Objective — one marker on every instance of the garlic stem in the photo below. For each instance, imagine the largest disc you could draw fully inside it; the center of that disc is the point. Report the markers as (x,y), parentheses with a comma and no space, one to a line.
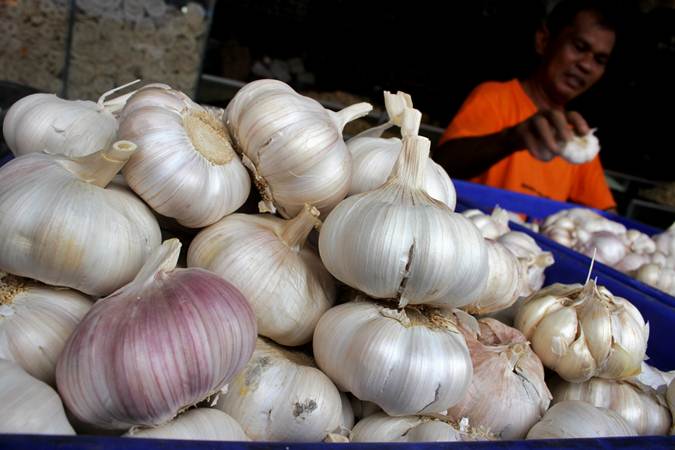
(411,163)
(162,260)
(101,167)
(350,113)
(117,103)
(295,233)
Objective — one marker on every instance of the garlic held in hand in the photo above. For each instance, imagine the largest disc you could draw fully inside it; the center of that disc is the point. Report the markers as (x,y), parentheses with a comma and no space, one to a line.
(202,424)
(165,341)
(281,396)
(267,260)
(581,149)
(59,225)
(406,361)
(584,331)
(293,146)
(185,166)
(396,242)
(35,322)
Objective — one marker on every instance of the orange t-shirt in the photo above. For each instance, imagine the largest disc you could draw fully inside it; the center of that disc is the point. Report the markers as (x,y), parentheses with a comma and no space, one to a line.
(494,106)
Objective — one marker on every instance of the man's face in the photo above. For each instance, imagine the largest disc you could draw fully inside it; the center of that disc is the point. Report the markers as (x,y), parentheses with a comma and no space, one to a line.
(576,58)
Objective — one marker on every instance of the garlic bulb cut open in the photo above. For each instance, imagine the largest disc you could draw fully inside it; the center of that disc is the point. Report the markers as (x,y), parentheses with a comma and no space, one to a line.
(508,393)
(645,412)
(281,396)
(373,157)
(167,340)
(531,257)
(491,226)
(581,149)
(203,424)
(406,361)
(267,260)
(185,166)
(398,243)
(584,331)
(29,406)
(59,225)
(576,419)
(293,146)
(35,322)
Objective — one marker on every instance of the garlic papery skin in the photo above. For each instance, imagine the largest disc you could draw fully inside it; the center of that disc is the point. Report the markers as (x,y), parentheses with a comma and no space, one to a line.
(584,331)
(508,394)
(396,242)
(35,322)
(531,257)
(645,412)
(60,226)
(490,226)
(670,398)
(185,166)
(292,145)
(576,419)
(406,361)
(29,406)
(581,149)
(267,260)
(203,424)
(281,396)
(165,341)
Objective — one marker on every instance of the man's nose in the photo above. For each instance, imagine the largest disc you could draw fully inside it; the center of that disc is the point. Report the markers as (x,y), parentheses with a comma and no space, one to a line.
(585,63)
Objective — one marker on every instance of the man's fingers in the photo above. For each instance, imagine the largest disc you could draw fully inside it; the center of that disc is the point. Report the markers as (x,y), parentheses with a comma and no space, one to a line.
(578,122)
(542,129)
(562,128)
(537,150)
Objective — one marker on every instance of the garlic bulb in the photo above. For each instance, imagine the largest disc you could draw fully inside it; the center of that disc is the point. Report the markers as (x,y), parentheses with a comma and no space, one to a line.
(584,331)
(531,257)
(670,397)
(203,424)
(35,322)
(347,422)
(654,275)
(646,413)
(632,262)
(267,260)
(362,409)
(176,335)
(491,226)
(581,149)
(408,361)
(373,157)
(29,406)
(576,419)
(293,146)
(610,248)
(508,393)
(396,242)
(63,228)
(281,396)
(185,166)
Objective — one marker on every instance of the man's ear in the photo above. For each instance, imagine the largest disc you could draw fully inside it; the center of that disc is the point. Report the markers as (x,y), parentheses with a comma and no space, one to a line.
(541,39)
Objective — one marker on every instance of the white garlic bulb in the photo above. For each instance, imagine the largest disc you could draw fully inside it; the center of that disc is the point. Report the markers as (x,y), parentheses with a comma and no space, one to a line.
(396,242)
(380,427)
(576,419)
(581,149)
(408,361)
(29,406)
(607,247)
(645,412)
(670,397)
(361,408)
(62,227)
(203,424)
(281,396)
(373,157)
(35,322)
(584,331)
(293,146)
(531,257)
(491,226)
(267,260)
(185,166)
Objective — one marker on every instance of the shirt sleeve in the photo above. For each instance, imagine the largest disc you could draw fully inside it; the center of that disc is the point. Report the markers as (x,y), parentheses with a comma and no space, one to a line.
(478,116)
(590,186)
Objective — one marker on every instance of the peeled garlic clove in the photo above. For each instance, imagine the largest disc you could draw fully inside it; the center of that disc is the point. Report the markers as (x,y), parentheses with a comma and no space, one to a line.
(409,361)
(281,396)
(64,228)
(177,335)
(293,146)
(267,260)
(185,166)
(35,322)
(29,406)
(202,424)
(581,149)
(576,419)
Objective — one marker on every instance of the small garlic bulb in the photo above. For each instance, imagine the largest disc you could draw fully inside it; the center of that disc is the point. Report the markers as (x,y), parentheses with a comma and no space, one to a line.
(670,397)
(35,322)
(281,396)
(203,424)
(608,248)
(267,260)
(185,166)
(293,146)
(531,257)
(29,406)
(396,242)
(408,361)
(576,419)
(645,412)
(491,226)
(61,226)
(581,149)
(584,331)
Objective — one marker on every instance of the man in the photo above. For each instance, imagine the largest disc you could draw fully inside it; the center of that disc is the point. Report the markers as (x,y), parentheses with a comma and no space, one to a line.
(509,135)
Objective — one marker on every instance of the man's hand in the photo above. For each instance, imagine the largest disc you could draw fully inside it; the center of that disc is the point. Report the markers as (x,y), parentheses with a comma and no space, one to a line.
(545,133)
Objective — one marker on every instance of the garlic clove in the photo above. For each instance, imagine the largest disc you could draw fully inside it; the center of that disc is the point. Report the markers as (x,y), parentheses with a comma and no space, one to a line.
(203,424)
(531,313)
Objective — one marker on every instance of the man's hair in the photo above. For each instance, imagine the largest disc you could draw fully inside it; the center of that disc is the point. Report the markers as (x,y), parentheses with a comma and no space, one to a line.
(565,11)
